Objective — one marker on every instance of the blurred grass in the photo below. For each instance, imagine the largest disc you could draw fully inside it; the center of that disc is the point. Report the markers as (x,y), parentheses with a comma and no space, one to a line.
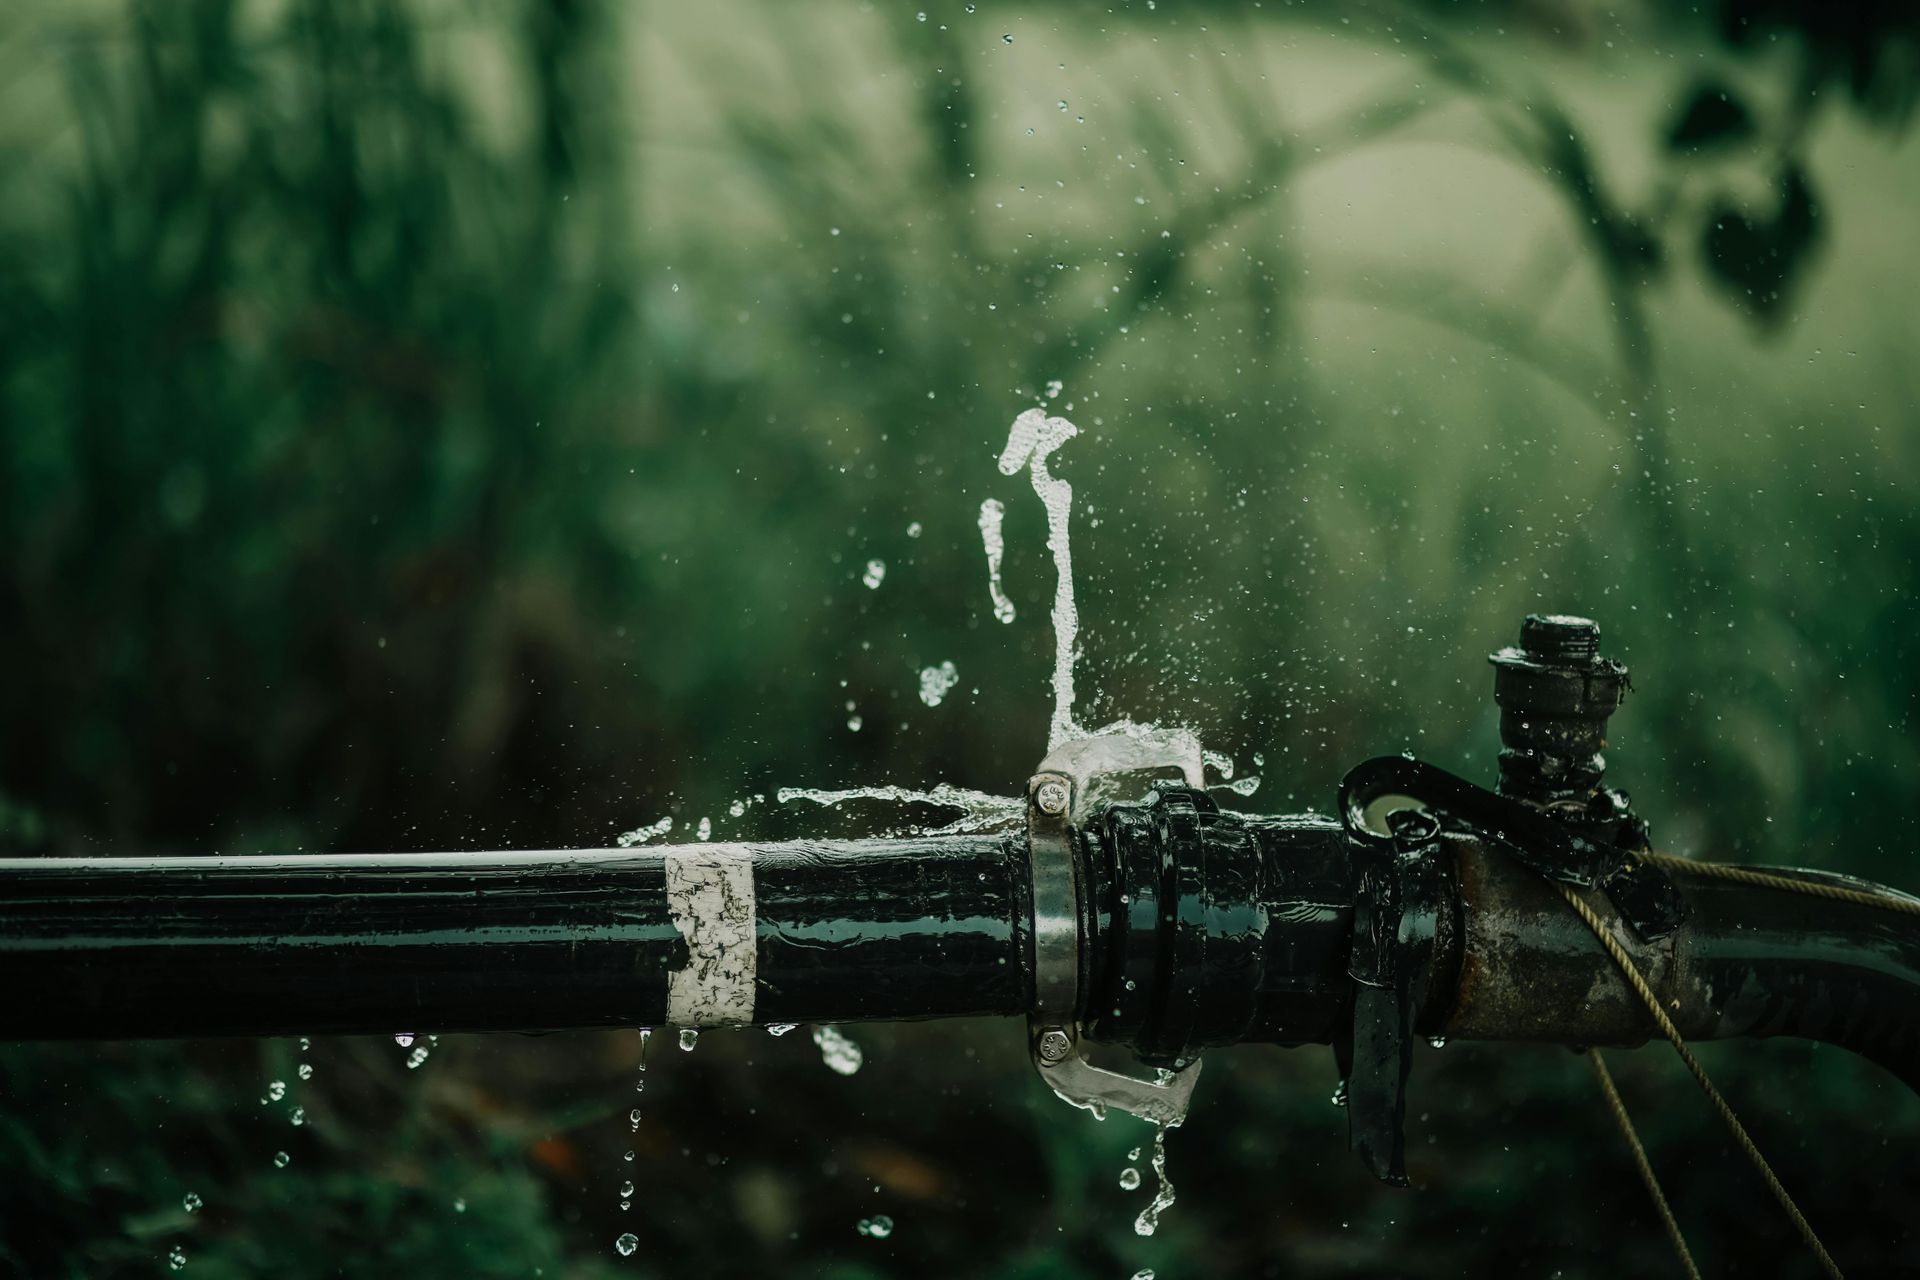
(464,424)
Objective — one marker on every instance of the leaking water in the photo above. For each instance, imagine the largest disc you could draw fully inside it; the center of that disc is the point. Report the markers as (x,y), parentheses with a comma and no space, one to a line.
(1030,442)
(978,810)
(1149,1220)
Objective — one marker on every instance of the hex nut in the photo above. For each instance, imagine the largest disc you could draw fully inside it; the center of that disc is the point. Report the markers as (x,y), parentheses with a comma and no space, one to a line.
(1051,796)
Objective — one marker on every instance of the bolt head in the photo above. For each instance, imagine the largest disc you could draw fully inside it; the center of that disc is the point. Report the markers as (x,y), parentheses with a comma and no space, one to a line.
(1054,1045)
(1051,796)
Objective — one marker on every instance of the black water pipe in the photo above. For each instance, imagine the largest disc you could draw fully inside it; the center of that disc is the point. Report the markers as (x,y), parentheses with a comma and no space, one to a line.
(214,946)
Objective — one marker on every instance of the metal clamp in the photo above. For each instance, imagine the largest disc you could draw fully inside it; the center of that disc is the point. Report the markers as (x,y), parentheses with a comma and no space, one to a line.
(1060,795)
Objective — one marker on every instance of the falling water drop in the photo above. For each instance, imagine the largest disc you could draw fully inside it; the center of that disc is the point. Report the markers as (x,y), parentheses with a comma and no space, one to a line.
(276,1091)
(876,574)
(403,1038)
(1339,1093)
(176,1258)
(281,1159)
(878,1227)
(992,515)
(306,1071)
(299,1116)
(937,682)
(191,1202)
(627,1244)
(418,1056)
(1129,1179)
(838,1052)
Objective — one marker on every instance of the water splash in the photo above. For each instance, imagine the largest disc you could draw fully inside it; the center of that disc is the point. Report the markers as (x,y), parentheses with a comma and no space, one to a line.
(641,835)
(937,682)
(838,1052)
(1149,1220)
(1030,442)
(979,811)
(992,514)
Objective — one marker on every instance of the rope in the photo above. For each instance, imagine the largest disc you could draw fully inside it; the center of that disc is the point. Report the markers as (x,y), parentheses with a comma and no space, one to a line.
(1814,888)
(1660,1018)
(1641,1162)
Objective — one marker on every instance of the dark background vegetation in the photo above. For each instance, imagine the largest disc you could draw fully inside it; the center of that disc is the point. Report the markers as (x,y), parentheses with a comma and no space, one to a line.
(463,423)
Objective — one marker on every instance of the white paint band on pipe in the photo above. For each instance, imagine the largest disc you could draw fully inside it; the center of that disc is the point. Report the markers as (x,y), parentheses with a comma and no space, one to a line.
(710,900)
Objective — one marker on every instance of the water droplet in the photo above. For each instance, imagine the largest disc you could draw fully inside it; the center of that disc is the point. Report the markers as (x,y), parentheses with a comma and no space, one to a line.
(628,1157)
(418,1056)
(780,1028)
(705,830)
(403,1038)
(299,1116)
(633,1120)
(627,1245)
(1007,38)
(1063,104)
(878,1227)
(176,1258)
(854,723)
(276,1090)
(1134,1154)
(626,1189)
(460,1205)
(1144,1273)
(914,530)
(281,1159)
(876,574)
(191,1202)
(838,1052)
(736,809)
(305,1043)
(1339,1093)
(1437,1042)
(306,1071)
(689,1037)
(937,682)
(1129,1179)
(920,16)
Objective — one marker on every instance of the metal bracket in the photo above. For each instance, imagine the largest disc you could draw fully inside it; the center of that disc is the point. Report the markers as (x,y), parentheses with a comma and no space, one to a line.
(1060,795)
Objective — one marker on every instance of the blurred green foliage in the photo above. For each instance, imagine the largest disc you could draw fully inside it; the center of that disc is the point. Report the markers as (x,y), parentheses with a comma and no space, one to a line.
(464,424)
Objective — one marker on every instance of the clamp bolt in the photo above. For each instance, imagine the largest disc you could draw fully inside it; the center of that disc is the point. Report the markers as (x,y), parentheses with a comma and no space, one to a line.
(1054,1045)
(1051,796)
